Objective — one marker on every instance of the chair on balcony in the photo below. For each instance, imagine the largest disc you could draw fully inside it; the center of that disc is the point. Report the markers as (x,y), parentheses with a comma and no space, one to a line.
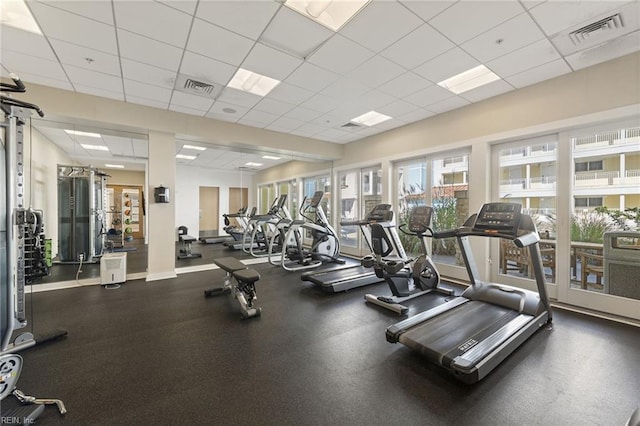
(514,258)
(590,264)
(548,254)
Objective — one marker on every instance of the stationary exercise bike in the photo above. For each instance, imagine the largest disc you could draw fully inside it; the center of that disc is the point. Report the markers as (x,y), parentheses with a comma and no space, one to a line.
(407,279)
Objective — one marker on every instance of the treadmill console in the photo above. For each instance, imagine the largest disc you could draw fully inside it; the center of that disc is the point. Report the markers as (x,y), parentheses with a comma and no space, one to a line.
(380,213)
(420,219)
(316,199)
(501,218)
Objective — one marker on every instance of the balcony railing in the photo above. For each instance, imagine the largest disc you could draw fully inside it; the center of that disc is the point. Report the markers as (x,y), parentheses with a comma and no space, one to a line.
(618,137)
(595,178)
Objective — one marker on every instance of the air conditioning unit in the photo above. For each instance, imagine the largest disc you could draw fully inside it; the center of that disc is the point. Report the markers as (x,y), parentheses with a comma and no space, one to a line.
(113,269)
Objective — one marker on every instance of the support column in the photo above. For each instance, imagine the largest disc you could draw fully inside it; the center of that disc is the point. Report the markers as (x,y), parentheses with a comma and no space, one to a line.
(161,216)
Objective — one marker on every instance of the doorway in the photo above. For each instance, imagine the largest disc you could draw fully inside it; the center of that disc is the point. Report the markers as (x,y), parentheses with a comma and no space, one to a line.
(209,202)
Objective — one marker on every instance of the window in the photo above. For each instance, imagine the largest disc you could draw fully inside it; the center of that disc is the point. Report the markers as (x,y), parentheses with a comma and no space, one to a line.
(588,202)
(588,166)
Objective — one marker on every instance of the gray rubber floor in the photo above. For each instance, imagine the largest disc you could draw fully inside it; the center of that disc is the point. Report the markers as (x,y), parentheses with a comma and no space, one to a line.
(160,353)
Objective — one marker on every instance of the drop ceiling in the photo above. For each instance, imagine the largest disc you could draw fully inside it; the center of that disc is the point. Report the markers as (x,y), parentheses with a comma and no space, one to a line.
(388,58)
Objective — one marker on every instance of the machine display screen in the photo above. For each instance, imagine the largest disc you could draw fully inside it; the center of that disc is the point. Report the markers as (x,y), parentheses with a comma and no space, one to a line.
(501,217)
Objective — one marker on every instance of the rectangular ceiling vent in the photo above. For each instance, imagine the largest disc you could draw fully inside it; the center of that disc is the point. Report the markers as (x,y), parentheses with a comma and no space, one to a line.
(603,27)
(198,87)
(350,125)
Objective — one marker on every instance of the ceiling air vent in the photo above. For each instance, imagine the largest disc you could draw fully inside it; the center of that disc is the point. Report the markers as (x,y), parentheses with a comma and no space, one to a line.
(198,87)
(193,86)
(597,29)
(350,125)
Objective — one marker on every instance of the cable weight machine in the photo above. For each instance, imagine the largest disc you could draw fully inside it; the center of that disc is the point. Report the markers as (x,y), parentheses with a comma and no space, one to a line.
(24,255)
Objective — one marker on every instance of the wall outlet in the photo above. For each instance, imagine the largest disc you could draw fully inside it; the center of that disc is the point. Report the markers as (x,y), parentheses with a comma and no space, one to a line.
(81,257)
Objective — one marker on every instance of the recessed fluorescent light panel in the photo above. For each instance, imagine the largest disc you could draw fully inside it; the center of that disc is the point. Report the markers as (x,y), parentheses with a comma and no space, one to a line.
(468,80)
(333,14)
(186,157)
(251,164)
(270,157)
(114,166)
(195,148)
(79,133)
(16,14)
(94,147)
(252,82)
(371,118)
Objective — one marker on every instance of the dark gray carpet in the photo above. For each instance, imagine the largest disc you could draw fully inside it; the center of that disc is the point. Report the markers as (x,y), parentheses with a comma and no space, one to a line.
(160,353)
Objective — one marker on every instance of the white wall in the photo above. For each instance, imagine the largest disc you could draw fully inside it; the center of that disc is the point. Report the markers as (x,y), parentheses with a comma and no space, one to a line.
(187,193)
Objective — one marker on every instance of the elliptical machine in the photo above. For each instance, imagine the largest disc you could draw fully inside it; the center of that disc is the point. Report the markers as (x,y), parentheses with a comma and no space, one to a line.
(325,245)
(410,278)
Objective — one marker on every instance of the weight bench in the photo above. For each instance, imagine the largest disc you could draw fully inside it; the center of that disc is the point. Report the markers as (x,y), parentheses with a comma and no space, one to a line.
(244,289)
(186,240)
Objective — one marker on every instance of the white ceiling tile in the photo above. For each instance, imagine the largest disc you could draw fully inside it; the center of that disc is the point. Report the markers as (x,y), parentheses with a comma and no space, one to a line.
(530,56)
(345,88)
(96,91)
(428,96)
(238,97)
(540,73)
(311,77)
(149,74)
(610,50)
(505,38)
(494,88)
(332,134)
(291,94)
(16,40)
(248,18)
(466,19)
(147,102)
(531,3)
(321,103)
(448,104)
(118,145)
(268,61)
(217,43)
(391,21)
(405,85)
(376,71)
(303,114)
(57,23)
(95,79)
(398,108)
(555,16)
(192,101)
(427,9)
(224,111)
(374,99)
(286,123)
(340,55)
(417,115)
(206,69)
(147,91)
(145,50)
(308,34)
(446,65)
(309,129)
(187,6)
(261,117)
(418,47)
(273,106)
(186,110)
(45,80)
(140,148)
(83,57)
(153,20)
(20,63)
(97,10)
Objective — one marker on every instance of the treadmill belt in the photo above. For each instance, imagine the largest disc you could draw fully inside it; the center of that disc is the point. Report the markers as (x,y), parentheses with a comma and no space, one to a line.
(454,332)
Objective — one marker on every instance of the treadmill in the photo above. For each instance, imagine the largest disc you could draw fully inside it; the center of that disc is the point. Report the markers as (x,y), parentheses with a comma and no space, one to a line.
(347,277)
(471,334)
